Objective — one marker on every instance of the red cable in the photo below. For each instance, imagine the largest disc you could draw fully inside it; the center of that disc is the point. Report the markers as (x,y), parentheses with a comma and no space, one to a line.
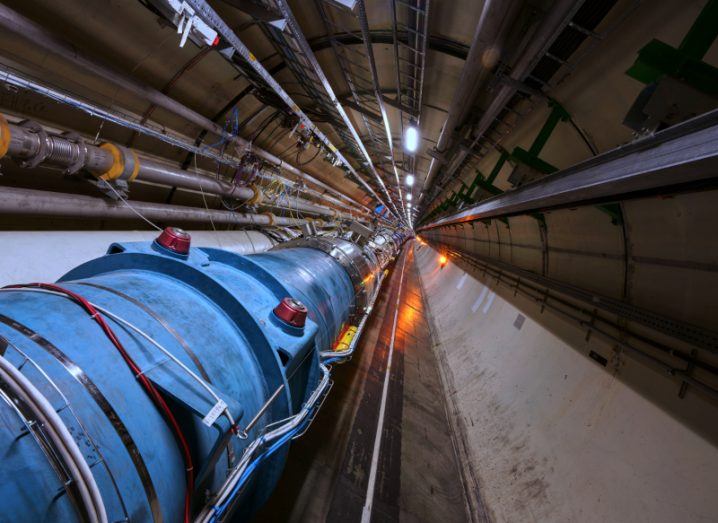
(146,383)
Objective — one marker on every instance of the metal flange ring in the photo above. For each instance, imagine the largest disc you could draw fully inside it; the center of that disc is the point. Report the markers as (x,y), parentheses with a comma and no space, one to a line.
(42,152)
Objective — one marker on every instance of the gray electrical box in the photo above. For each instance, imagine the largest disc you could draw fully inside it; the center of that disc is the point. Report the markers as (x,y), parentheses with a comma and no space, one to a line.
(667,102)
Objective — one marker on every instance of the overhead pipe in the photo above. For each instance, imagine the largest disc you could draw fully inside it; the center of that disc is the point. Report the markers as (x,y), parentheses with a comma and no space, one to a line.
(23,82)
(31,145)
(31,202)
(36,34)
(483,55)
(158,172)
(681,156)
(210,16)
(560,15)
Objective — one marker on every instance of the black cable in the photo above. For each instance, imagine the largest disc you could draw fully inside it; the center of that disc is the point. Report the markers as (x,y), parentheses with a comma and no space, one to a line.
(302,164)
(270,143)
(264,125)
(583,136)
(285,151)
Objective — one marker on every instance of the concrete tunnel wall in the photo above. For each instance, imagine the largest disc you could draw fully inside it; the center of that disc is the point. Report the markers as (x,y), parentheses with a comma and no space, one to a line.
(44,256)
(546,433)
(596,91)
(664,258)
(664,254)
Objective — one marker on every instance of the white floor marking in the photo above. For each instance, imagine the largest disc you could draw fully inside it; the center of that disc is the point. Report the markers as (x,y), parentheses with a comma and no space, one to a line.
(462,281)
(477,303)
(489,302)
(371,486)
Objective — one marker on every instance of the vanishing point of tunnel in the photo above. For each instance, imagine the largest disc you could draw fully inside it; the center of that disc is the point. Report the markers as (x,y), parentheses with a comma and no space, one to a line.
(358,261)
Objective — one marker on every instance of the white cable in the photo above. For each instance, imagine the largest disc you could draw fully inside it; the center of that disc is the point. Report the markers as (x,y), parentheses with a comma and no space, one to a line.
(141,333)
(138,213)
(236,473)
(209,214)
(63,442)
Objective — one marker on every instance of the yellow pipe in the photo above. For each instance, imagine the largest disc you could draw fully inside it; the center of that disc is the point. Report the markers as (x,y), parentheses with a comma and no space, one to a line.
(4,136)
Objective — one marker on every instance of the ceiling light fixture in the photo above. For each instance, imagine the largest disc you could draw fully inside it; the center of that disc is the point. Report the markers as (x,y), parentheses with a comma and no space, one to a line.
(409,180)
(411,139)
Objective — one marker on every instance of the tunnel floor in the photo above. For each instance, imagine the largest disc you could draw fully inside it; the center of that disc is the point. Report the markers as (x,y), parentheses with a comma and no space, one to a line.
(415,470)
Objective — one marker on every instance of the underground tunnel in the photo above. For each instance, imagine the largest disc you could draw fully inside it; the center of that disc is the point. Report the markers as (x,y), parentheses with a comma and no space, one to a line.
(358,261)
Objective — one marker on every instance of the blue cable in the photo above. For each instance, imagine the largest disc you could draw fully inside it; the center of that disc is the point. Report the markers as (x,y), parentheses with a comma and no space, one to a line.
(219,510)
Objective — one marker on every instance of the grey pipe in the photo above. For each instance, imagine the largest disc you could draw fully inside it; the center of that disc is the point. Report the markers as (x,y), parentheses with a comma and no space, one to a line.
(557,19)
(488,34)
(37,35)
(32,145)
(559,16)
(158,172)
(30,202)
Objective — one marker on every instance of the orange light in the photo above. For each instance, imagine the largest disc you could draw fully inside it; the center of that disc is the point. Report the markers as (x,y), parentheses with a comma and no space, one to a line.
(443,260)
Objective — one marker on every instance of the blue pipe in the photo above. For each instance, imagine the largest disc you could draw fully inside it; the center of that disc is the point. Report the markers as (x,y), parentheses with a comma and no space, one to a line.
(213,311)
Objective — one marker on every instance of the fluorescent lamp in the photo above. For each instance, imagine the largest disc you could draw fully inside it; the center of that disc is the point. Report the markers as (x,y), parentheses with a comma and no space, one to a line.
(411,139)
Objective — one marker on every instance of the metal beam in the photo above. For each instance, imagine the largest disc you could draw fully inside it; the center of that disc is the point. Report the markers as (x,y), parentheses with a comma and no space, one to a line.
(363,110)
(352,68)
(436,43)
(489,31)
(305,52)
(364,25)
(211,17)
(683,154)
(555,21)
(259,12)
(396,105)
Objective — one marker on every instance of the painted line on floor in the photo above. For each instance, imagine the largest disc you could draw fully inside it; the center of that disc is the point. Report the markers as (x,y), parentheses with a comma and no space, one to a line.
(462,281)
(489,302)
(371,486)
(477,303)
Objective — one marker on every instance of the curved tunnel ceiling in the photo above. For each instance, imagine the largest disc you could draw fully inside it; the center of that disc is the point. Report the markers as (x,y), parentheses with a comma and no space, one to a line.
(549,166)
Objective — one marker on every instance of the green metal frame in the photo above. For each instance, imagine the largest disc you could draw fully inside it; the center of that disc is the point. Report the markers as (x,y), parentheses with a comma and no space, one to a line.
(657,59)
(518,155)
